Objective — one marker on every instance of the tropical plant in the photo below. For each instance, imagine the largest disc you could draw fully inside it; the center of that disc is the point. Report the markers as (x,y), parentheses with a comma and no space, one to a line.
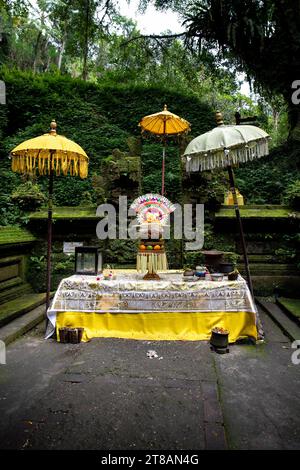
(28,196)
(292,195)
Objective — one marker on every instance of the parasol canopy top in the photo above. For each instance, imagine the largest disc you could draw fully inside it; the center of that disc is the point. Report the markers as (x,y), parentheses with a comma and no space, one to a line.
(226,145)
(164,123)
(50,151)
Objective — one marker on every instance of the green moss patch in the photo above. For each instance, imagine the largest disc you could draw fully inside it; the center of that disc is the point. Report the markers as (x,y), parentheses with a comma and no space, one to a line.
(292,305)
(11,235)
(67,212)
(262,212)
(17,307)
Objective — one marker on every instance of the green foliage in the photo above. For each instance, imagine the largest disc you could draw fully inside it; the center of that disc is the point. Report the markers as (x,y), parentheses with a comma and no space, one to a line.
(62,266)
(121,252)
(3,120)
(54,35)
(28,196)
(206,188)
(9,213)
(152,170)
(285,255)
(231,257)
(193,258)
(263,37)
(99,189)
(100,119)
(217,241)
(69,191)
(86,200)
(265,181)
(292,195)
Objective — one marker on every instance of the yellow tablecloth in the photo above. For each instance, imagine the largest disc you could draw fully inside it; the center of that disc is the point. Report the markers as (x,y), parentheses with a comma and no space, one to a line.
(189,326)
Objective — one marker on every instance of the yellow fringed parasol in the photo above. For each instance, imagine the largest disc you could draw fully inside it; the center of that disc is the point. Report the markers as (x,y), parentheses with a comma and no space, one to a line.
(50,154)
(50,151)
(164,124)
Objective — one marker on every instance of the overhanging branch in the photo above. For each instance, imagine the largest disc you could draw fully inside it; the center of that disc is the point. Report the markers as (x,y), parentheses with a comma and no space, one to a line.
(156,37)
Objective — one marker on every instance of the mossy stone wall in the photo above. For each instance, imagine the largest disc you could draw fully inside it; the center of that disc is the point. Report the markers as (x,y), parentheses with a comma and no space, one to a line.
(272,247)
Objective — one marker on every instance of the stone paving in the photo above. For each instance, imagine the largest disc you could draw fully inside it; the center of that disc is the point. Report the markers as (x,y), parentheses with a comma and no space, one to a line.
(107,394)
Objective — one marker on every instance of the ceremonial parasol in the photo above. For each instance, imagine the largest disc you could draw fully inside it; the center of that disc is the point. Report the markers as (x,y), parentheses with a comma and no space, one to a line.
(164,124)
(48,154)
(223,147)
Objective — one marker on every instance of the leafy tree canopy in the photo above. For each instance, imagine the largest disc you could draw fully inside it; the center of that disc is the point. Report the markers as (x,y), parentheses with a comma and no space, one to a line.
(261,36)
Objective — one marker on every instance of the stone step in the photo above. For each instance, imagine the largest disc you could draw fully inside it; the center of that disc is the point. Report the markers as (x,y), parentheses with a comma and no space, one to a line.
(22,325)
(18,307)
(289,327)
(291,307)
(15,281)
(15,291)
(270,269)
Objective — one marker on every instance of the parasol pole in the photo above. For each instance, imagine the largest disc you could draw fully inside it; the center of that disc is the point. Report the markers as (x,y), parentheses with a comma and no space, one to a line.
(163,160)
(163,170)
(219,121)
(49,237)
(242,236)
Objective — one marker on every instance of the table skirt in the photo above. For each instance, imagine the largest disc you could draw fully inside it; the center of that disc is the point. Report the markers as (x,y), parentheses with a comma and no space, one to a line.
(158,326)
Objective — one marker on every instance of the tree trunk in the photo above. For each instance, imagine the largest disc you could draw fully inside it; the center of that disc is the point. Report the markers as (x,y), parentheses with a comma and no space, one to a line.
(48,64)
(62,49)
(275,118)
(36,51)
(86,40)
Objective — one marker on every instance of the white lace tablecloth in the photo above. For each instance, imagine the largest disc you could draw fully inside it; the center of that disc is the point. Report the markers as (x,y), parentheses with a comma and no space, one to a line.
(129,293)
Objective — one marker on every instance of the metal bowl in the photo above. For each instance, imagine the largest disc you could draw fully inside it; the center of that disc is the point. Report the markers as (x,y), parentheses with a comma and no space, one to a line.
(217,276)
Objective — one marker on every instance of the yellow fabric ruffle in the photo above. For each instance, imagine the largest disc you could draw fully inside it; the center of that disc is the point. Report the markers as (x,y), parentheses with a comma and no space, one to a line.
(159,326)
(61,163)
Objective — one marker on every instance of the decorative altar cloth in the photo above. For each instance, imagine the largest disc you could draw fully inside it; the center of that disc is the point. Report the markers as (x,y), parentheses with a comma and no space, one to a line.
(170,308)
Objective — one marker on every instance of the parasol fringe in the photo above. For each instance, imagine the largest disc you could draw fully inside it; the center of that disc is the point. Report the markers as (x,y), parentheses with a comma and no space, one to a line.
(57,165)
(61,163)
(83,168)
(206,161)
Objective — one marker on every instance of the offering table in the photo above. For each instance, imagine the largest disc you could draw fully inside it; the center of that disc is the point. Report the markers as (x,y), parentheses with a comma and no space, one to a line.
(165,309)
